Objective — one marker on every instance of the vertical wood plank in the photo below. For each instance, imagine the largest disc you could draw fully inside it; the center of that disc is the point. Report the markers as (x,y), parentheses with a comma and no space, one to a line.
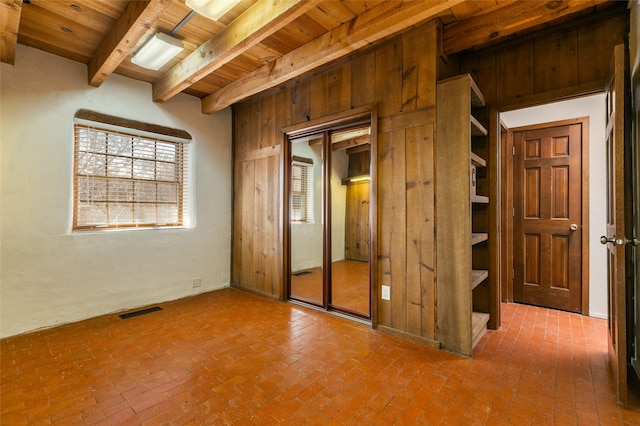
(388,78)
(284,111)
(247,278)
(595,42)
(420,56)
(392,200)
(268,130)
(420,239)
(483,69)
(318,99)
(300,100)
(261,189)
(515,72)
(410,70)
(272,234)
(385,224)
(420,232)
(339,89)
(555,60)
(357,221)
(254,138)
(363,71)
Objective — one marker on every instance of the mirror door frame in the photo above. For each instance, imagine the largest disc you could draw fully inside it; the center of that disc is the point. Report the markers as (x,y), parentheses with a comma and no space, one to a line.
(315,126)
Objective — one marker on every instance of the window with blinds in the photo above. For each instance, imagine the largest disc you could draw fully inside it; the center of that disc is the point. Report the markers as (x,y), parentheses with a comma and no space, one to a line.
(128,179)
(302,192)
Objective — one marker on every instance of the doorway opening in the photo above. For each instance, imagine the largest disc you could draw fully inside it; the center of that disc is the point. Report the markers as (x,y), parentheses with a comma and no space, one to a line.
(329,226)
(536,189)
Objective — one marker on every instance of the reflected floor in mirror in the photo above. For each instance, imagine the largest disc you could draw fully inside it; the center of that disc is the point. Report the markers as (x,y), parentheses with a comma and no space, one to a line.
(350,287)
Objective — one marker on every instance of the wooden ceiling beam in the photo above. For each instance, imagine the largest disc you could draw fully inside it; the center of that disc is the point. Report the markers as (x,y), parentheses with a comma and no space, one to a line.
(358,149)
(132,25)
(507,19)
(375,24)
(351,143)
(259,22)
(10,11)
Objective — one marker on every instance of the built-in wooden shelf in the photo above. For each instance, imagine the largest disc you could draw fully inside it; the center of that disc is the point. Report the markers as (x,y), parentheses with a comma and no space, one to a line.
(477,98)
(477,129)
(479,321)
(477,160)
(479,199)
(478,237)
(477,276)
(465,165)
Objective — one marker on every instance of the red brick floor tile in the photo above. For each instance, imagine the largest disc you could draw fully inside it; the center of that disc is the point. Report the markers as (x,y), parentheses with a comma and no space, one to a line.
(228,357)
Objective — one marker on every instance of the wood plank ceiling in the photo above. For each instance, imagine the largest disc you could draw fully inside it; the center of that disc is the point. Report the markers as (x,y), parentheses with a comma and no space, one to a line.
(258,44)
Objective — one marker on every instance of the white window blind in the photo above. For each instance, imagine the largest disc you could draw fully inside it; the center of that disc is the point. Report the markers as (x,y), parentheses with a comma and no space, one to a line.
(128,180)
(302,192)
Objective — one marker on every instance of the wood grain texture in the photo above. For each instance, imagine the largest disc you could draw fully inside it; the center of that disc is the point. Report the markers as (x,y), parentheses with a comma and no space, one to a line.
(420,248)
(556,63)
(507,18)
(617,140)
(453,215)
(548,198)
(132,25)
(357,222)
(373,25)
(259,22)
(10,11)
(404,174)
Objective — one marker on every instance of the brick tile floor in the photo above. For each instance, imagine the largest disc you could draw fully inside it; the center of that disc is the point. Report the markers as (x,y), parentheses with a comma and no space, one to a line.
(228,357)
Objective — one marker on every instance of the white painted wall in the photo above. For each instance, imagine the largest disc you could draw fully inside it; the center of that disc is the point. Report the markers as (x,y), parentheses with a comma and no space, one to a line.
(306,238)
(594,108)
(51,276)
(339,171)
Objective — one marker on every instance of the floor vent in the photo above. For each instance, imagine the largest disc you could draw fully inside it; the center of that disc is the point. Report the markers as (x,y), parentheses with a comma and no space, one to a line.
(297,274)
(140,312)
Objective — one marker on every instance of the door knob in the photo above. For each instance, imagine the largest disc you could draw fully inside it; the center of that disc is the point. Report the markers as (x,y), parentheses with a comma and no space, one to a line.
(573,227)
(618,241)
(632,241)
(605,240)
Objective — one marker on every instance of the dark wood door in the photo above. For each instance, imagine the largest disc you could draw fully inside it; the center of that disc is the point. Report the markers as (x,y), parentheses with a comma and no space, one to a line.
(548,215)
(615,238)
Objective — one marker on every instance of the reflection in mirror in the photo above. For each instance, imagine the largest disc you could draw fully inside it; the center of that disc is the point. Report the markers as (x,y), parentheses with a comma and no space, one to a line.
(306,220)
(350,281)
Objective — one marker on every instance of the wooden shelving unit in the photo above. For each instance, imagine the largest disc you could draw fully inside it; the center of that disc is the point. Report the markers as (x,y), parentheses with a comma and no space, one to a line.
(462,215)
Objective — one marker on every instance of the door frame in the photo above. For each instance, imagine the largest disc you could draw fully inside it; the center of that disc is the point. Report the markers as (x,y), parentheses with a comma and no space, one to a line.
(507,206)
(318,125)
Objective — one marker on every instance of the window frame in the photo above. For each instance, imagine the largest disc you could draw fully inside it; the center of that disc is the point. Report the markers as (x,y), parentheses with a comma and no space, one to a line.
(139,135)
(307,190)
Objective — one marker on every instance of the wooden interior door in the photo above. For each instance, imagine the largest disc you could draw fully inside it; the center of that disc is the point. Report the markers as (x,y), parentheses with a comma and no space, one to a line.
(357,221)
(615,238)
(548,215)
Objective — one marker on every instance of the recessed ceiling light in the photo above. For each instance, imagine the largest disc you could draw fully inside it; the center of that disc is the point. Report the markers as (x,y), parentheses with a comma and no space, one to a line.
(157,51)
(212,9)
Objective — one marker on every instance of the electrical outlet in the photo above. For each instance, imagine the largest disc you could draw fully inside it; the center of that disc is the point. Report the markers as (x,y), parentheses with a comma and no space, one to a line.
(197,282)
(386,292)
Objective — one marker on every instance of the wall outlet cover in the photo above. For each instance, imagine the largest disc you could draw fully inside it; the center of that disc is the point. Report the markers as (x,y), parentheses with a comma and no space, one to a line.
(386,292)
(197,282)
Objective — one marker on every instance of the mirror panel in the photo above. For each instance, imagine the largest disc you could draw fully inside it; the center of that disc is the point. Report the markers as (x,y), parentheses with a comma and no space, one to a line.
(306,221)
(350,281)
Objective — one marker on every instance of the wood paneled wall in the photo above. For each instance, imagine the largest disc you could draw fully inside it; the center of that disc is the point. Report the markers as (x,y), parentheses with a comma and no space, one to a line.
(570,60)
(399,77)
